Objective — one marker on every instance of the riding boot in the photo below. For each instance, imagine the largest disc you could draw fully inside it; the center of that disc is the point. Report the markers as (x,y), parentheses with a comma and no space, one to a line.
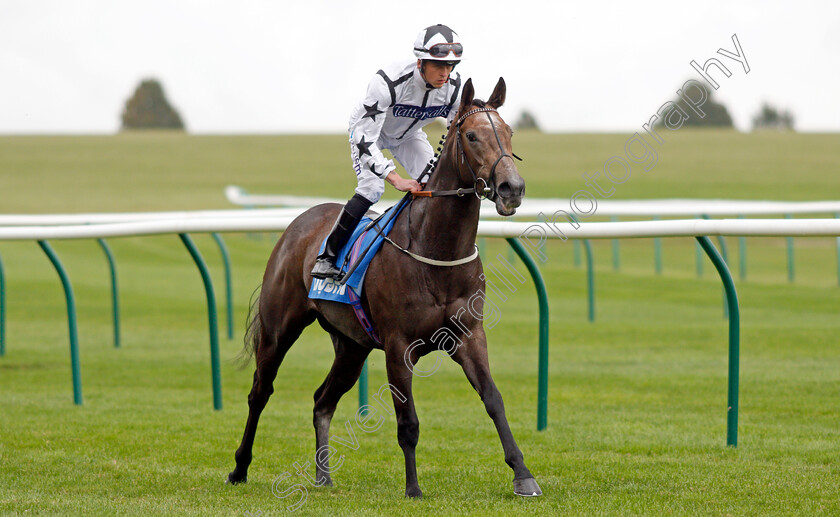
(351,214)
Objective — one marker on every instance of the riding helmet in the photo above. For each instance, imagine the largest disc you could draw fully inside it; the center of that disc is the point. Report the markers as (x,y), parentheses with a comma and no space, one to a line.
(439,43)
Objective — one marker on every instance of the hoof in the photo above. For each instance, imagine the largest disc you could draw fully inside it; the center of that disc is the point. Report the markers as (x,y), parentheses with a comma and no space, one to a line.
(527,487)
(414,493)
(233,479)
(324,481)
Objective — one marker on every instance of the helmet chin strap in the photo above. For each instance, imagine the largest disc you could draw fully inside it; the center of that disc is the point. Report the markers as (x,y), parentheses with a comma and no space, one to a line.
(423,74)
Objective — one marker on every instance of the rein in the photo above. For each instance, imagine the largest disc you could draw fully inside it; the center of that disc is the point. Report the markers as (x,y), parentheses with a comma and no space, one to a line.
(443,193)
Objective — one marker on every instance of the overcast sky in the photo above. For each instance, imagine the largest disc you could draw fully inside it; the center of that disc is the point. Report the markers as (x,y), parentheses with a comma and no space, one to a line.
(281,67)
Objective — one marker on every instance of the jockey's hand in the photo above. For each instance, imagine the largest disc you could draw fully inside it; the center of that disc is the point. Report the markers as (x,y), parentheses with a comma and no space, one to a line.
(410,185)
(402,184)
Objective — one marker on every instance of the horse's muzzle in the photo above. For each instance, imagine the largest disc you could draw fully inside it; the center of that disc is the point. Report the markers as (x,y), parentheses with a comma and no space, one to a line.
(508,195)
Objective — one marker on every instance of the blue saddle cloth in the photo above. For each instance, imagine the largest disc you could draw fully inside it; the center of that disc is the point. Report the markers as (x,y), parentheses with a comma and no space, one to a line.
(362,246)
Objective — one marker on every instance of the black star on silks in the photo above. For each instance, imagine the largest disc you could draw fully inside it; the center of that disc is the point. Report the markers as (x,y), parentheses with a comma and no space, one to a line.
(373,169)
(372,111)
(363,146)
(443,30)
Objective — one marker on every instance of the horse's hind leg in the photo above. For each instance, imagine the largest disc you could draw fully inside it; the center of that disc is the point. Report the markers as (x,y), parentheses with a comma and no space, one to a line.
(473,359)
(271,349)
(345,371)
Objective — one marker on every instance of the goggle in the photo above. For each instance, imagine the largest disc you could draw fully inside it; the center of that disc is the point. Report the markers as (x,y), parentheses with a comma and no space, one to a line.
(444,49)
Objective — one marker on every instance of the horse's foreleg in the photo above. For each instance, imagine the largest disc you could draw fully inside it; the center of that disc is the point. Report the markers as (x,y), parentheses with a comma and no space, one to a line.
(473,359)
(408,427)
(345,371)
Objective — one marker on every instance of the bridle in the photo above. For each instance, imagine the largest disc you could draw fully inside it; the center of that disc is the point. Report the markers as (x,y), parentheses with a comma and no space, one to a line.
(485,192)
(481,192)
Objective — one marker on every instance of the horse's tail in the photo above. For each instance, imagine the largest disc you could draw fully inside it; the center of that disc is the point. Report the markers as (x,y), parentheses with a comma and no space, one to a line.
(254,333)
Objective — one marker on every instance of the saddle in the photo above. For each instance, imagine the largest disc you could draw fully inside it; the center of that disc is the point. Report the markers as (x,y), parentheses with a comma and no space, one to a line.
(354,259)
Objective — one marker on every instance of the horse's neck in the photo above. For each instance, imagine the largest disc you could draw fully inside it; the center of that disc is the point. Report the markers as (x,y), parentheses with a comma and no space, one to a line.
(444,228)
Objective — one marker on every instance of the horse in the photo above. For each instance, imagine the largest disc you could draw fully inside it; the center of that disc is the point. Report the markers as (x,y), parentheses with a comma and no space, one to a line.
(407,300)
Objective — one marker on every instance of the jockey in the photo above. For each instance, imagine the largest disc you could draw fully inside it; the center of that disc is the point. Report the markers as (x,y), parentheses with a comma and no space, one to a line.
(400,100)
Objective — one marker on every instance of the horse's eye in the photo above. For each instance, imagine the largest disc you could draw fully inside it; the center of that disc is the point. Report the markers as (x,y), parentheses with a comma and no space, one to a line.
(471,136)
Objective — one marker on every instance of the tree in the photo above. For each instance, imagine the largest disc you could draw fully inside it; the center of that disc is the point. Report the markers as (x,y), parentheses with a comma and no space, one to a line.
(715,113)
(768,117)
(527,121)
(149,109)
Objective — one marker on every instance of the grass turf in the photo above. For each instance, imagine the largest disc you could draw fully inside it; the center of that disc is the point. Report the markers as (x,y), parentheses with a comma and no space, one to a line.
(636,400)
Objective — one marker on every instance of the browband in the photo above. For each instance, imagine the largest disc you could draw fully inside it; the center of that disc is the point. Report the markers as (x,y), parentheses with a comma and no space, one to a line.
(472,112)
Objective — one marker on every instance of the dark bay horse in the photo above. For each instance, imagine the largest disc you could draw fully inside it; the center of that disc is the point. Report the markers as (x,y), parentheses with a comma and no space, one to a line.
(407,300)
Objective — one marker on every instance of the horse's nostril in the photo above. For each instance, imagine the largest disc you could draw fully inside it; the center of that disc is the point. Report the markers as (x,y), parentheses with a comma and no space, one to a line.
(518,188)
(504,189)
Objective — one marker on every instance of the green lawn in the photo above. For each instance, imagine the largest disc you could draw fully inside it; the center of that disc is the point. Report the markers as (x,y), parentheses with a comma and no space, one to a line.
(637,400)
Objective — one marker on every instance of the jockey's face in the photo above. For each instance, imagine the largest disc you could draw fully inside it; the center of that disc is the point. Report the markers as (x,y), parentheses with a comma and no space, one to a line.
(435,73)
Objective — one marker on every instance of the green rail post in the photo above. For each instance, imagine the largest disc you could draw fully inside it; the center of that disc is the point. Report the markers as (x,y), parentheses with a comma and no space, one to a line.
(590,280)
(725,258)
(790,265)
(542,296)
(723,250)
(615,250)
(734,340)
(699,260)
(115,301)
(722,243)
(363,389)
(511,255)
(657,252)
(213,320)
(2,310)
(837,216)
(698,255)
(71,321)
(228,282)
(742,256)
(576,252)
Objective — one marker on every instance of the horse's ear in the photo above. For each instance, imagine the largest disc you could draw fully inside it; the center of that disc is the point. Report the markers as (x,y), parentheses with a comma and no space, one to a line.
(497,98)
(467,95)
